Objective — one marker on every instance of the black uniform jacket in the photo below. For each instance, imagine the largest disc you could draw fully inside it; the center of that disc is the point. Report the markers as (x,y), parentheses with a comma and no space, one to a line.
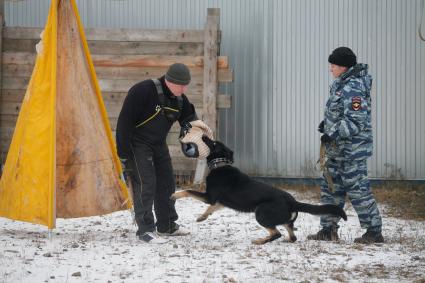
(141,103)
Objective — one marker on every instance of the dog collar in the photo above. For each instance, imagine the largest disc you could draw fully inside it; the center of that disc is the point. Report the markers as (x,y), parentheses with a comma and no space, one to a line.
(218,162)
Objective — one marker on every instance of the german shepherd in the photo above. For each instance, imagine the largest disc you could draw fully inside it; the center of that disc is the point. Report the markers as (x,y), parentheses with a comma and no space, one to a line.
(227,186)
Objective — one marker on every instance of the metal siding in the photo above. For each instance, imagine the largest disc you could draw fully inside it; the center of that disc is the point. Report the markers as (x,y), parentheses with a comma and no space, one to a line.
(278,51)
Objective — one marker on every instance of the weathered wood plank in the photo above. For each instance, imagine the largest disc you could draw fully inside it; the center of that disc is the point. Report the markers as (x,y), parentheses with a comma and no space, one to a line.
(146,48)
(1,46)
(17,95)
(107,34)
(2,12)
(15,83)
(11,104)
(6,135)
(142,73)
(182,163)
(10,108)
(111,85)
(224,101)
(108,60)
(8,121)
(14,70)
(107,85)
(117,47)
(12,95)
(24,58)
(19,45)
(153,61)
(138,73)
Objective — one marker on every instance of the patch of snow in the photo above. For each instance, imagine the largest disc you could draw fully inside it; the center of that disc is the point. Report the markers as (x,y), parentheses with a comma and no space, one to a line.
(105,249)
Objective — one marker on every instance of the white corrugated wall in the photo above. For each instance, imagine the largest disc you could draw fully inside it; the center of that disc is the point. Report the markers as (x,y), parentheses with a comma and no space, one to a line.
(278,50)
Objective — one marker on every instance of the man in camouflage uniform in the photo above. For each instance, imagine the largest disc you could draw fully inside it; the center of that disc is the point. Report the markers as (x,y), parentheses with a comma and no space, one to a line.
(347,136)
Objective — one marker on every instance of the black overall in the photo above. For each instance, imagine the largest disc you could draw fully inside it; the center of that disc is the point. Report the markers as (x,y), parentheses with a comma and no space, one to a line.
(142,128)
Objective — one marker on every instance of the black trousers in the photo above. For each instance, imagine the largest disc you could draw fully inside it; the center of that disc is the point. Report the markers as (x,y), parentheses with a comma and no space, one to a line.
(153,183)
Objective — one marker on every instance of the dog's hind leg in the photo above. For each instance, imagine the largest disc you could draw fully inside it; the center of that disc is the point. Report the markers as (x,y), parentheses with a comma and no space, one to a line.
(273,235)
(273,213)
(210,210)
(290,228)
(189,193)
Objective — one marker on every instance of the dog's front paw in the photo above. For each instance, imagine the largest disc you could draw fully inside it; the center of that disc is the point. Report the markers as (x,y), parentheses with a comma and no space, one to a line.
(174,196)
(267,239)
(259,242)
(201,218)
(180,194)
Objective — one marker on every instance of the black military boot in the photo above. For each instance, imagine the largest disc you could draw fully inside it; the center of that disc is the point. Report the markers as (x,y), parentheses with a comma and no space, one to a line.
(325,234)
(370,237)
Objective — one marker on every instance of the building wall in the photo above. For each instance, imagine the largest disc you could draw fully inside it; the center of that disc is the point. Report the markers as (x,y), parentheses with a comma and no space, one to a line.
(278,50)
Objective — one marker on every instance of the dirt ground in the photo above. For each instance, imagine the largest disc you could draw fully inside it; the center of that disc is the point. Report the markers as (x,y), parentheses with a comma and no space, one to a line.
(402,200)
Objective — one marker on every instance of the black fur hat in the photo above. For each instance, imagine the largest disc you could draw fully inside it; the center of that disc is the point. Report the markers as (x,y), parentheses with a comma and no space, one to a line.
(343,56)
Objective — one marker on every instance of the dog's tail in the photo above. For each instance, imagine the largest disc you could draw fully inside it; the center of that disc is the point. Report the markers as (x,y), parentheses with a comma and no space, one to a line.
(320,209)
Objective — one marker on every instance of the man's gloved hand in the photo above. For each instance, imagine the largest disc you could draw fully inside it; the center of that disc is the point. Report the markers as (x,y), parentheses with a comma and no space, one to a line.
(325,138)
(184,129)
(321,127)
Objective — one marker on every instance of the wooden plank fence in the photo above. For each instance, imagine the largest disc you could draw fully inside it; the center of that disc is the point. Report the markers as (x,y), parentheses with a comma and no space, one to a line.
(123,57)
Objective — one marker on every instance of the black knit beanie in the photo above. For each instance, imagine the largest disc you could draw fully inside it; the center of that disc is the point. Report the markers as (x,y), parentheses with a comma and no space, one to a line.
(343,56)
(178,73)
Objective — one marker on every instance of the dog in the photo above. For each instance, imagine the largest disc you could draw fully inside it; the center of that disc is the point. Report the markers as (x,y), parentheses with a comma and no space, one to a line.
(227,186)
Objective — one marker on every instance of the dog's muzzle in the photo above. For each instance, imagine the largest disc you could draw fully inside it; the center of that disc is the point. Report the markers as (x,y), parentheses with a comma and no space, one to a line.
(191,141)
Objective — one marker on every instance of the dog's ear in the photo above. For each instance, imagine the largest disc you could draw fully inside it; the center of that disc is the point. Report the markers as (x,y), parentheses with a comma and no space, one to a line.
(208,141)
(230,155)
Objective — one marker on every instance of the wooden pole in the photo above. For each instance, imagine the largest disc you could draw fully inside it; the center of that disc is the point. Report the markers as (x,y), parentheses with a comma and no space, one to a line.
(1,69)
(210,68)
(2,12)
(210,81)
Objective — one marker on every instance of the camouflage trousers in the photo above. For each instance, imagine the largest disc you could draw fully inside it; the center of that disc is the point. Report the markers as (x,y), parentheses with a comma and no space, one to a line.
(350,179)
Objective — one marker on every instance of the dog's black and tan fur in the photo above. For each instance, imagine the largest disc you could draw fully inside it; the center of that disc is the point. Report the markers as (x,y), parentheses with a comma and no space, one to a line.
(226,186)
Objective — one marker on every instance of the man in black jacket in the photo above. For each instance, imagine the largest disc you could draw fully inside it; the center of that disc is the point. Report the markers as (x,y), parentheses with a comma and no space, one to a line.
(149,110)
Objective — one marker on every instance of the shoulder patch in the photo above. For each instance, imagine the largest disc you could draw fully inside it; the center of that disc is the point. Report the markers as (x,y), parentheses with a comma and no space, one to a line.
(356,103)
(338,93)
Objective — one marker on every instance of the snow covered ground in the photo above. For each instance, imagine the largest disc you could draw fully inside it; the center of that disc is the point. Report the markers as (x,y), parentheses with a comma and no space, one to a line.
(105,249)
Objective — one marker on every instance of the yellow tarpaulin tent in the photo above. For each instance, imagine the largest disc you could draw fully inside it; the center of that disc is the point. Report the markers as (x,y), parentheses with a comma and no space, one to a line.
(62,160)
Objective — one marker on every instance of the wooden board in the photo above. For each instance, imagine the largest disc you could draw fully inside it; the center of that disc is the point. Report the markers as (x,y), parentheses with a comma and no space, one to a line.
(117,47)
(121,58)
(136,73)
(108,60)
(106,34)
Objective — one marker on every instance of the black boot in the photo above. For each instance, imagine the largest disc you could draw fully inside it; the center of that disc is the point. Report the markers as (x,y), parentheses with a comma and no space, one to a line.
(326,234)
(370,237)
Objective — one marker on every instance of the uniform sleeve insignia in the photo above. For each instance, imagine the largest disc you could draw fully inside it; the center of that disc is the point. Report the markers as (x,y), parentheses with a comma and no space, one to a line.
(356,103)
(338,93)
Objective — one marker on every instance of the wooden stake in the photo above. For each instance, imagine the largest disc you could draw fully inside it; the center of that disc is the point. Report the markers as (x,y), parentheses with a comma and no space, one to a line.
(210,82)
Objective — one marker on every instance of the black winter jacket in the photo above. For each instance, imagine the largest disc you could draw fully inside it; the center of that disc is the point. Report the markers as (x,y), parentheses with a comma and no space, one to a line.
(141,103)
